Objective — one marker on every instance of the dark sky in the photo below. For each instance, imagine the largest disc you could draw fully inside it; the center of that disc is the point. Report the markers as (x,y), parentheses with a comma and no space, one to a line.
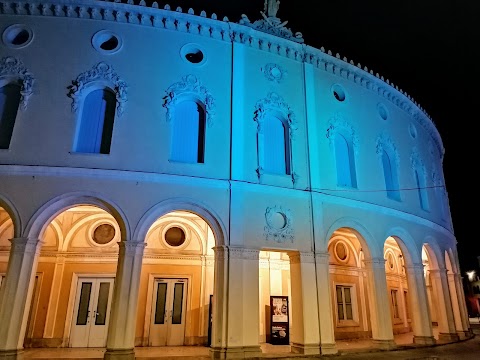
(426,47)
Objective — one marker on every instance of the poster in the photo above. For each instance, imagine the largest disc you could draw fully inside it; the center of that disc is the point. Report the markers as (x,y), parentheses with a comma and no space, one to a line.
(279,325)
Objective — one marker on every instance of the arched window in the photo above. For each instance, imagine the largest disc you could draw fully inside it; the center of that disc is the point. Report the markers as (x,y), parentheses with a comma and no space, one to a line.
(9,102)
(391,178)
(188,133)
(94,134)
(345,162)
(421,190)
(276,146)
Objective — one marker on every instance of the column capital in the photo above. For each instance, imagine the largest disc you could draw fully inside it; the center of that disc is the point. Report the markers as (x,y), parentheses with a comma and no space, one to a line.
(243,253)
(415,268)
(302,257)
(322,257)
(375,263)
(220,251)
(438,272)
(25,245)
(131,247)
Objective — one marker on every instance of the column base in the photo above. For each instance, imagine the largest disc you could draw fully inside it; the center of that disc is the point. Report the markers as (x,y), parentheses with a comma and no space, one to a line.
(11,354)
(424,340)
(463,335)
(119,354)
(384,344)
(241,352)
(328,349)
(448,337)
(305,349)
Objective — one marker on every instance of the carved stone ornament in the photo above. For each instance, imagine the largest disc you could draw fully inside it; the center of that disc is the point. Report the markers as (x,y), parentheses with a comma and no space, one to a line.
(189,87)
(104,74)
(416,162)
(384,142)
(274,102)
(12,68)
(271,24)
(339,125)
(274,72)
(278,225)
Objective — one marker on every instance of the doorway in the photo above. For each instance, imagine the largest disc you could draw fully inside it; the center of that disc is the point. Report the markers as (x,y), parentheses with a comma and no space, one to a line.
(91,312)
(167,326)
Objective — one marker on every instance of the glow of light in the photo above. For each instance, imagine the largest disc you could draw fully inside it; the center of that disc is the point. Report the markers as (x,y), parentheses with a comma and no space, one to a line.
(471,275)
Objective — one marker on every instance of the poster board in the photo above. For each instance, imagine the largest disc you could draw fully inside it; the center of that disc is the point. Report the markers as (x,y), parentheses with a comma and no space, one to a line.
(279,326)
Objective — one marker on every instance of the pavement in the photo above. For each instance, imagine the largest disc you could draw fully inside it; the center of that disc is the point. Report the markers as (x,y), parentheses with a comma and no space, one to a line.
(347,350)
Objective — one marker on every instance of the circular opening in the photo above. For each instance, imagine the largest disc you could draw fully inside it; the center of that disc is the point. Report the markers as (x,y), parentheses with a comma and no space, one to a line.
(278,220)
(175,236)
(341,251)
(338,92)
(194,57)
(106,42)
(413,131)
(103,234)
(382,111)
(17,35)
(193,54)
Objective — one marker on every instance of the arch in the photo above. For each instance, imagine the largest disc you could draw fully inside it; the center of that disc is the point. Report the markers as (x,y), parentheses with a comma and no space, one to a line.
(412,253)
(179,204)
(434,253)
(389,159)
(369,247)
(8,206)
(47,212)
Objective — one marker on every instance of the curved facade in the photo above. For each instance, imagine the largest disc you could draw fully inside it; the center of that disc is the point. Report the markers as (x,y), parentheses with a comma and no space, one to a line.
(159,169)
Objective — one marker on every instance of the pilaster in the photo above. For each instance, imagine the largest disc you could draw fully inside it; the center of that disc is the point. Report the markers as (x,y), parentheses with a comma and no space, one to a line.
(121,329)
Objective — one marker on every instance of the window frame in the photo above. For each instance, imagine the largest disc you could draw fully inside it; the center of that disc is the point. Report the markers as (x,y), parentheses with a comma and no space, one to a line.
(353,295)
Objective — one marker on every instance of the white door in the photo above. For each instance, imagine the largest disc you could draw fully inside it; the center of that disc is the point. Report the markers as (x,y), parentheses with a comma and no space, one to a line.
(168,312)
(91,312)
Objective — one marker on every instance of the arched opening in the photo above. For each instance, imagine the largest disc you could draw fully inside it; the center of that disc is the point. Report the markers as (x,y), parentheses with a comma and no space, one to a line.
(176,284)
(390,176)
(349,296)
(345,162)
(6,233)
(276,146)
(9,101)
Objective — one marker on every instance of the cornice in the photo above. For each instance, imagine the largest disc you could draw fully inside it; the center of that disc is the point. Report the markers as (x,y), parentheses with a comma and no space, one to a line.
(224,30)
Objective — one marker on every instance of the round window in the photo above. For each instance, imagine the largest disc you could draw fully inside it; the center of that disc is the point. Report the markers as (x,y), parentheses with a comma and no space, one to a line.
(103,234)
(338,92)
(412,130)
(193,54)
(17,36)
(341,251)
(106,42)
(175,236)
(382,111)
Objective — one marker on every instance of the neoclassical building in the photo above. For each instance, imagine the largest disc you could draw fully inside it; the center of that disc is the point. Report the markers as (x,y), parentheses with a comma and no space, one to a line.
(164,172)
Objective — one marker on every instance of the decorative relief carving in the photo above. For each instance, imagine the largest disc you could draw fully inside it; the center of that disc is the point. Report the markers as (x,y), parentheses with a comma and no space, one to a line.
(339,125)
(274,72)
(416,162)
(274,103)
(13,69)
(279,225)
(384,142)
(189,87)
(102,74)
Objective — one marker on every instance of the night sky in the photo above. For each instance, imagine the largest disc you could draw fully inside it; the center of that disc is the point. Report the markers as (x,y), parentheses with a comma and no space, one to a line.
(426,47)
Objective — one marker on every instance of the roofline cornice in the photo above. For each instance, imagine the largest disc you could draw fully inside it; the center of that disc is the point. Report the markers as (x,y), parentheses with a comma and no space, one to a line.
(224,30)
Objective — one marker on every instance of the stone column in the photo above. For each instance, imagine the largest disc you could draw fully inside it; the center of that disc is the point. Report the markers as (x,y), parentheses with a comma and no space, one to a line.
(123,315)
(422,323)
(305,337)
(54,296)
(459,299)
(16,295)
(236,304)
(325,309)
(446,322)
(379,300)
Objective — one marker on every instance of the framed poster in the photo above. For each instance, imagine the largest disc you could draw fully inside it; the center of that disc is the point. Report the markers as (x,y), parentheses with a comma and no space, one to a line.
(279,328)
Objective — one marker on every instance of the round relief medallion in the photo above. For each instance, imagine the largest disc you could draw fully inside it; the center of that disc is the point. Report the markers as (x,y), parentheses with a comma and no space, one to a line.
(175,236)
(103,234)
(341,251)
(277,220)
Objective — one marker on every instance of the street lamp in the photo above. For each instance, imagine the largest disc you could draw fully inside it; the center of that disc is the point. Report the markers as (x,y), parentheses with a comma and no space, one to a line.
(471,275)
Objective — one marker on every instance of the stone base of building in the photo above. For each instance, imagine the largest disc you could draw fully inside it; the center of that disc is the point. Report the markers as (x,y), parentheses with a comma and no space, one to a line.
(384,344)
(243,352)
(463,335)
(328,349)
(424,340)
(11,354)
(447,337)
(305,349)
(120,354)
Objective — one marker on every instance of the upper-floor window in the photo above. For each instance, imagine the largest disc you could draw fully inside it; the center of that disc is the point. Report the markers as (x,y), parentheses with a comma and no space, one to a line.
(345,162)
(421,189)
(188,133)
(276,146)
(391,177)
(94,132)
(344,302)
(9,102)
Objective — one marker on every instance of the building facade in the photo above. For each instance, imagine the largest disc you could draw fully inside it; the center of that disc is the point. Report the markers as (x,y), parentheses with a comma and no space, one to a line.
(164,173)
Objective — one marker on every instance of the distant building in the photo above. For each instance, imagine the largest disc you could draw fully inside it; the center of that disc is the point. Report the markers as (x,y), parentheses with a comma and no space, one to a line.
(164,173)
